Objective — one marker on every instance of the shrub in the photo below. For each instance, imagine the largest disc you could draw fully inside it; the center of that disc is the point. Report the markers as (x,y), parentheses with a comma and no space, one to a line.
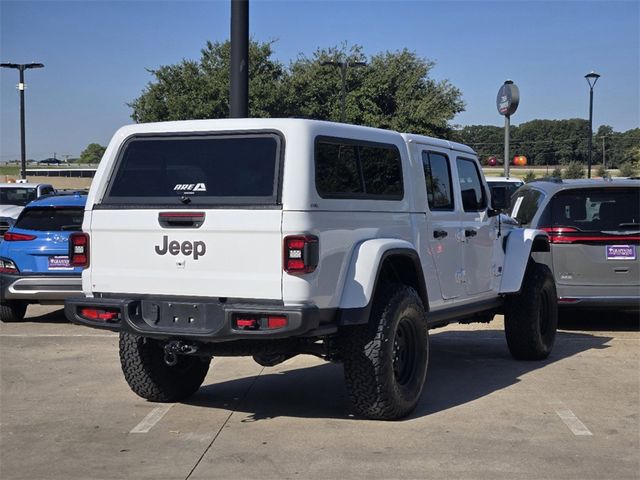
(574,170)
(557,173)
(530,176)
(601,172)
(628,169)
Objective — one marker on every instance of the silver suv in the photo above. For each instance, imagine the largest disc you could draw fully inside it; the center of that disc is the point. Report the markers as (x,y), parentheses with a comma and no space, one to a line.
(594,230)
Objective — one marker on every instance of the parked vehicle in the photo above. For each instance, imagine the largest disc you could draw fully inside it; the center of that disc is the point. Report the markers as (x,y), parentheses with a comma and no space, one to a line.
(273,238)
(34,256)
(502,188)
(594,230)
(13,198)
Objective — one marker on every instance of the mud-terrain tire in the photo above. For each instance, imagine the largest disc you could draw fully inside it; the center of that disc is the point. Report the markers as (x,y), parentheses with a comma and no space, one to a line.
(531,317)
(149,376)
(13,311)
(385,361)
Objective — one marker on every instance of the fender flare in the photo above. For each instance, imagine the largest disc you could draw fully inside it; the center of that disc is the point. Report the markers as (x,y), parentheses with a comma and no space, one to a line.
(364,270)
(520,244)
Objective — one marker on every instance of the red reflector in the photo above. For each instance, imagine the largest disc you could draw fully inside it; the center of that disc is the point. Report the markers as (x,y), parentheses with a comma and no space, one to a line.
(247,323)
(18,237)
(276,322)
(98,314)
(567,300)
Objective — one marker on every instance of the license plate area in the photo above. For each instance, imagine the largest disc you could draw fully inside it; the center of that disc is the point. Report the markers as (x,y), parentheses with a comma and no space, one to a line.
(182,316)
(59,262)
(621,252)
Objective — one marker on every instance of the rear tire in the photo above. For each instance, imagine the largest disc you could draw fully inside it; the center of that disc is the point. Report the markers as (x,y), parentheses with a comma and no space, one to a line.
(144,368)
(385,361)
(13,311)
(531,318)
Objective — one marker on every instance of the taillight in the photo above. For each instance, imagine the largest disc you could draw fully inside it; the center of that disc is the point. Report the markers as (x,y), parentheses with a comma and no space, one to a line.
(573,235)
(79,249)
(300,254)
(8,266)
(107,314)
(260,321)
(18,237)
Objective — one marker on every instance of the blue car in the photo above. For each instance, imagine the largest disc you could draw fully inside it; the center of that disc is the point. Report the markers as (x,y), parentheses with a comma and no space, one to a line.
(34,256)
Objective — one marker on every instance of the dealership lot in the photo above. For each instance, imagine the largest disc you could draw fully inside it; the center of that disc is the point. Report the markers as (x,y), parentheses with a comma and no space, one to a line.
(67,413)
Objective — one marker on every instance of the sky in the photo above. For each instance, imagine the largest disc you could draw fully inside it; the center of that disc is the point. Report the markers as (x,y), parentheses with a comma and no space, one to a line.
(96,55)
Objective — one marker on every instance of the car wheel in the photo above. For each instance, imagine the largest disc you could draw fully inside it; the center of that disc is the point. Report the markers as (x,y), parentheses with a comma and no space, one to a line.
(13,311)
(531,318)
(150,377)
(385,361)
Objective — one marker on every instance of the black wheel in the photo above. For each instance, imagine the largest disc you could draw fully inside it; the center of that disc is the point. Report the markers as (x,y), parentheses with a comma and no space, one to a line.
(150,377)
(531,318)
(385,361)
(12,311)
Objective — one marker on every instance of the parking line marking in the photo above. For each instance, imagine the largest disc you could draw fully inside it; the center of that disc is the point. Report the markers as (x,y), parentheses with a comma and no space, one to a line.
(570,420)
(151,419)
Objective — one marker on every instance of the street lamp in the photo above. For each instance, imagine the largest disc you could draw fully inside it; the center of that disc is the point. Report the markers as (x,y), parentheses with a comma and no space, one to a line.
(592,78)
(343,66)
(22,67)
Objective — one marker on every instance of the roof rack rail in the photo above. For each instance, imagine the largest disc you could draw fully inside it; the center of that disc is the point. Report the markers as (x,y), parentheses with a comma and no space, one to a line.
(547,179)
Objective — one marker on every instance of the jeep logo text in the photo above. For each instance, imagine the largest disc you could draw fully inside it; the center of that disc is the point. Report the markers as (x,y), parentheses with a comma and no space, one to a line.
(187,248)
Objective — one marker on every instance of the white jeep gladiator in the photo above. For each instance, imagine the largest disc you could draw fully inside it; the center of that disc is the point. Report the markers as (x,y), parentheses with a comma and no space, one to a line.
(277,237)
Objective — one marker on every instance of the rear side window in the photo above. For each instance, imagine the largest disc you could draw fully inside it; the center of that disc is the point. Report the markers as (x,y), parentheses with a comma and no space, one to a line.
(358,170)
(437,176)
(606,209)
(17,196)
(197,170)
(474,198)
(525,204)
(47,219)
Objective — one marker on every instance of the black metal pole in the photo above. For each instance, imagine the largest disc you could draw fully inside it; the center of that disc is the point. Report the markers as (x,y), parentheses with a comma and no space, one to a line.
(590,131)
(343,96)
(23,148)
(239,77)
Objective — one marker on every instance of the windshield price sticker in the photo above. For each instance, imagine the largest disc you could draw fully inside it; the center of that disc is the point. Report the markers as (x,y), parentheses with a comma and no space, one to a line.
(621,252)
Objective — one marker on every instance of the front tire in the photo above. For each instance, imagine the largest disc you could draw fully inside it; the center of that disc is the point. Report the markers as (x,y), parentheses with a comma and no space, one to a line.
(385,361)
(144,368)
(531,318)
(13,311)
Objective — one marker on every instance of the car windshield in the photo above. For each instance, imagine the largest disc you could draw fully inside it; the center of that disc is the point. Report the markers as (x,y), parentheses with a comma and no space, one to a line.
(606,209)
(17,195)
(48,219)
(501,192)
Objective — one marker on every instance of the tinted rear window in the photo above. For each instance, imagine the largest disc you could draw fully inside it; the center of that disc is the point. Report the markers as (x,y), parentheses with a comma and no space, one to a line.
(525,204)
(606,209)
(220,169)
(17,196)
(47,219)
(359,170)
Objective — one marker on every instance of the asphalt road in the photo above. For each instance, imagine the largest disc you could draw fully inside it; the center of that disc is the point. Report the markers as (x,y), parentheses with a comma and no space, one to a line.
(67,413)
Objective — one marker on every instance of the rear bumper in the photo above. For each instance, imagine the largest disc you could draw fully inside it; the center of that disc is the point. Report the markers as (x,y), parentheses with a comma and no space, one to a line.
(39,287)
(621,297)
(208,321)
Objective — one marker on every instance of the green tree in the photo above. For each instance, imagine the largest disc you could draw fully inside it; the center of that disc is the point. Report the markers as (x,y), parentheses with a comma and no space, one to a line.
(629,169)
(393,91)
(529,177)
(92,154)
(200,89)
(574,170)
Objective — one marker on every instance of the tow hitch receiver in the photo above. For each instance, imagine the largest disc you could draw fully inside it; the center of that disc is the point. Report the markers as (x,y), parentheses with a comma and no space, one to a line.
(174,348)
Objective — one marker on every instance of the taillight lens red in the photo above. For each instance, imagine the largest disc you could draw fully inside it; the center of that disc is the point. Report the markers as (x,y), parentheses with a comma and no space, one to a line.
(300,254)
(100,314)
(260,321)
(18,237)
(79,249)
(8,266)
(566,235)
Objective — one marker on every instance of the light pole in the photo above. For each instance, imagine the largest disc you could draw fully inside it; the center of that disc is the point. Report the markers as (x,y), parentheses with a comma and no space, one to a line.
(22,67)
(592,78)
(343,66)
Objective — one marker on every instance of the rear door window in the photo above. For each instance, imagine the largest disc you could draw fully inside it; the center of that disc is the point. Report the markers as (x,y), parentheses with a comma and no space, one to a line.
(437,176)
(47,219)
(597,210)
(474,198)
(197,170)
(525,204)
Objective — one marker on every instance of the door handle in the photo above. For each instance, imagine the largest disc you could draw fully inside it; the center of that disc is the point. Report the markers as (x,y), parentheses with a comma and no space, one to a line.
(470,233)
(440,233)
